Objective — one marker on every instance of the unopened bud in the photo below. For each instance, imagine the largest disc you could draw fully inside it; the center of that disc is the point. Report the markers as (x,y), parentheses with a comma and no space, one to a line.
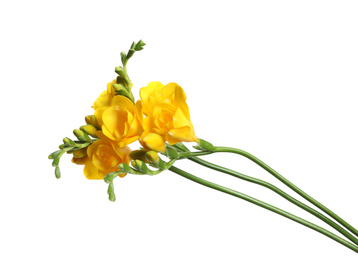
(91,120)
(152,157)
(89,129)
(80,153)
(57,172)
(124,167)
(82,136)
(66,141)
(138,155)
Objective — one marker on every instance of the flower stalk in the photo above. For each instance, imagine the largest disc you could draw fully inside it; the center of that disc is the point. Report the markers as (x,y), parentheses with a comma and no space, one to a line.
(265,206)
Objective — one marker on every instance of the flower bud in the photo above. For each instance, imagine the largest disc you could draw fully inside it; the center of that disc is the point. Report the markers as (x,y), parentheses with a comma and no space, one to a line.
(66,141)
(89,129)
(80,153)
(91,120)
(152,157)
(124,167)
(140,166)
(82,136)
(138,155)
(57,172)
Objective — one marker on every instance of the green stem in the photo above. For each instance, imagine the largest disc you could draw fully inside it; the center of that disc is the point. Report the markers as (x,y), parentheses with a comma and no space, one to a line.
(264,205)
(186,154)
(279,192)
(289,184)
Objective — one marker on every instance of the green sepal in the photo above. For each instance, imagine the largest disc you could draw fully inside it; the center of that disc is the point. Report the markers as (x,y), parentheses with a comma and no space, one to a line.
(124,167)
(204,146)
(143,167)
(110,176)
(56,160)
(181,146)
(139,46)
(132,46)
(87,138)
(112,197)
(57,172)
(110,192)
(119,87)
(72,143)
(120,71)
(161,164)
(55,154)
(110,188)
(171,152)
(121,81)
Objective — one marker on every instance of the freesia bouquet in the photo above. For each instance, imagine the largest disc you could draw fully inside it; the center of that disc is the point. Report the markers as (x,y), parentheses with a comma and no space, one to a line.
(160,121)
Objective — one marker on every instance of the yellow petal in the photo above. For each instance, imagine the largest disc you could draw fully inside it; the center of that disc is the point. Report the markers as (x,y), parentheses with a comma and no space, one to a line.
(154,142)
(147,92)
(91,172)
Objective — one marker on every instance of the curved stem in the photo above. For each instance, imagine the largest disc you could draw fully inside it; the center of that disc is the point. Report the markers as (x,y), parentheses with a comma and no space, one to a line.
(264,205)
(279,192)
(289,184)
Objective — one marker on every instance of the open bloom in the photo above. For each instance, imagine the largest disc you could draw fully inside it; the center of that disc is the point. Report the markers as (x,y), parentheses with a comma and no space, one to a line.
(102,158)
(121,120)
(105,97)
(167,114)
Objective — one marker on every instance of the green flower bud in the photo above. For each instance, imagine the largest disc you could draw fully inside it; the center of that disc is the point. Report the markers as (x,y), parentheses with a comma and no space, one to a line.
(66,141)
(82,136)
(112,197)
(141,166)
(120,71)
(152,157)
(124,167)
(123,57)
(57,172)
(89,129)
(138,155)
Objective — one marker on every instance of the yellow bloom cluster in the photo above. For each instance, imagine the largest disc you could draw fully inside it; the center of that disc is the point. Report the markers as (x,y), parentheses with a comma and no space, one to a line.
(120,123)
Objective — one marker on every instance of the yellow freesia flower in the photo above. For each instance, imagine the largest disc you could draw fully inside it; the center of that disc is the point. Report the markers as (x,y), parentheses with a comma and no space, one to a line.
(106,96)
(121,121)
(167,113)
(102,158)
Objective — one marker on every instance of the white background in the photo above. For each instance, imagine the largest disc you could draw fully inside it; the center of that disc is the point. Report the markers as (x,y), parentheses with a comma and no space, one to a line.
(275,78)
